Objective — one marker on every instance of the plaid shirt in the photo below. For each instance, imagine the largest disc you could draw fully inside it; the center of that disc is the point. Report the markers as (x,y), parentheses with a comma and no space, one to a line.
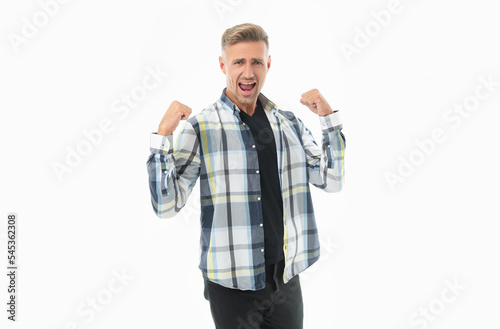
(218,147)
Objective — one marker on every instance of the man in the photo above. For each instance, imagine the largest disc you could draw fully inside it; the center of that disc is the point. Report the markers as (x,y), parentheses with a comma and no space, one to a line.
(255,163)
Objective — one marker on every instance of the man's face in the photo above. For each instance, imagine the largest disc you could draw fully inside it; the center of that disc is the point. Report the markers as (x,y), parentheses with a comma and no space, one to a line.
(245,65)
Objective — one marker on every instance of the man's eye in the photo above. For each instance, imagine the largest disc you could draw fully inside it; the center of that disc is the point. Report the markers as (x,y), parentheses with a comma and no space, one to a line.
(237,63)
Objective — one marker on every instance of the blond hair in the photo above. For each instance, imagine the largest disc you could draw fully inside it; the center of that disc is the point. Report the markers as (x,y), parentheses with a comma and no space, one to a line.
(243,33)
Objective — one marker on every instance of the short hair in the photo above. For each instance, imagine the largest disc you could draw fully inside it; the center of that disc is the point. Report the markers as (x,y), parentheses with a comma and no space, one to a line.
(243,33)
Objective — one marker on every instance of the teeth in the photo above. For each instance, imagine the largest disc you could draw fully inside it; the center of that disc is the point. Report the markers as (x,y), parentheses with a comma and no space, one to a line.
(247,83)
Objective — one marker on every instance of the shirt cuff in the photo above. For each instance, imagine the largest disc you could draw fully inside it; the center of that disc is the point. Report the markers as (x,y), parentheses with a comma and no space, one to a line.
(330,122)
(161,144)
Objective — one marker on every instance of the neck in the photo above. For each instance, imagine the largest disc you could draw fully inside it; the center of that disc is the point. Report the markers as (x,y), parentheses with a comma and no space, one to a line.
(247,108)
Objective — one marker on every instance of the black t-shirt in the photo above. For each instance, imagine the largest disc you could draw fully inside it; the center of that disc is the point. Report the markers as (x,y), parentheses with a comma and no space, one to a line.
(272,203)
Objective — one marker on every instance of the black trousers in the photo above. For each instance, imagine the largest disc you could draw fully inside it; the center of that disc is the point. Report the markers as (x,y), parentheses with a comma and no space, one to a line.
(277,306)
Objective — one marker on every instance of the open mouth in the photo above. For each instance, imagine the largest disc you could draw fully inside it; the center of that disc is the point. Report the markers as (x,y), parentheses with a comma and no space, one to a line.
(247,88)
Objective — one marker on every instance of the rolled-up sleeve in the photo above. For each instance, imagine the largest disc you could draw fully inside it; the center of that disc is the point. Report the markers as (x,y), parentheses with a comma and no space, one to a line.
(173,171)
(326,163)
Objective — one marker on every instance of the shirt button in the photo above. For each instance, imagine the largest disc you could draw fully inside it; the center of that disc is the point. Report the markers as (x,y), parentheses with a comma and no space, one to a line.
(261,224)
(256,171)
(262,250)
(165,172)
(258,198)
(253,146)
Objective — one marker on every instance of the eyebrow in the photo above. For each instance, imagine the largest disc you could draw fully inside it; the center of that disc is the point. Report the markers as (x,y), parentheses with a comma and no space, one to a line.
(243,59)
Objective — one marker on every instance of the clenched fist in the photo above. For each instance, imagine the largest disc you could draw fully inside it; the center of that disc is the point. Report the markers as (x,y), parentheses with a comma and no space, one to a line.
(316,102)
(175,113)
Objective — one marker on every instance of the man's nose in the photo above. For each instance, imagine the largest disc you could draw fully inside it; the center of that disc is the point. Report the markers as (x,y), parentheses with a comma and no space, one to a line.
(248,72)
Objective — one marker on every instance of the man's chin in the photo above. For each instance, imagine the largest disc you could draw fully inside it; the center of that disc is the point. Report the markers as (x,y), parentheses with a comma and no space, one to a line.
(248,99)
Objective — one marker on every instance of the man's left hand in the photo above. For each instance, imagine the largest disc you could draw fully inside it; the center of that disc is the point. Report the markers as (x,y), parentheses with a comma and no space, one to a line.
(316,102)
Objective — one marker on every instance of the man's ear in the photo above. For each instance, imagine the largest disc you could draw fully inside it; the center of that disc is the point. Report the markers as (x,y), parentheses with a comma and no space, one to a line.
(269,62)
(222,65)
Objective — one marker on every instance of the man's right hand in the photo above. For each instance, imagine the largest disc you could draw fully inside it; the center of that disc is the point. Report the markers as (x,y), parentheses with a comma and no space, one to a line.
(175,113)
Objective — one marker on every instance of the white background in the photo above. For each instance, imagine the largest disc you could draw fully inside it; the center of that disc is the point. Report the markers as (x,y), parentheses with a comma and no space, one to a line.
(388,253)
